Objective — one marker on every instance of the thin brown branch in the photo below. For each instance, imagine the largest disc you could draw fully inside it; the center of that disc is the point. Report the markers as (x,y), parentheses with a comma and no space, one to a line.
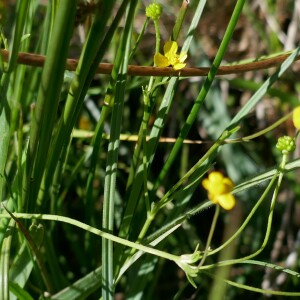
(36,60)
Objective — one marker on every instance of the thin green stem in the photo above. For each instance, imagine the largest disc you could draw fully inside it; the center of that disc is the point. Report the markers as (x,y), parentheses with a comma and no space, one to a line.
(112,158)
(145,156)
(157,36)
(19,161)
(139,38)
(157,47)
(254,289)
(180,19)
(261,132)
(4,261)
(210,235)
(95,231)
(262,291)
(96,144)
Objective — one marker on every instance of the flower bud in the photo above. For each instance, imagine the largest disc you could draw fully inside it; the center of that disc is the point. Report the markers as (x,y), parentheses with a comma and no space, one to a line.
(286,144)
(154,11)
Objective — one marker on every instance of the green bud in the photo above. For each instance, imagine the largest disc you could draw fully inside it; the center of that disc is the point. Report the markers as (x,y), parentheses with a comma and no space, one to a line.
(154,11)
(286,144)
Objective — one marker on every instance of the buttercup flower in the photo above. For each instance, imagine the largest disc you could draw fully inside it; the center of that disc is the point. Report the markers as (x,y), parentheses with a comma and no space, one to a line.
(170,57)
(296,117)
(219,190)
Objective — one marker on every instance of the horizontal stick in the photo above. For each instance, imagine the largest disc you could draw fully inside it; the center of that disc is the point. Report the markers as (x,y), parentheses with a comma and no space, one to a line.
(37,60)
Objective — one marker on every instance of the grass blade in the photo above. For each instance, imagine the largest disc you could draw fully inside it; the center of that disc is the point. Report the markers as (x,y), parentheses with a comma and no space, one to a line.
(112,159)
(47,101)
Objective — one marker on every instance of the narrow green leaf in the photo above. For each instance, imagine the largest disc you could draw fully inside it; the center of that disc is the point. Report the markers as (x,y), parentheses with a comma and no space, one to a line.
(263,89)
(4,262)
(19,292)
(112,158)
(21,267)
(82,288)
(47,101)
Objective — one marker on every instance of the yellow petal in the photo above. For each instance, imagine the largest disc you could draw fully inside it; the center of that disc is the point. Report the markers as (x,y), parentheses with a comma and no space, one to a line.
(217,186)
(160,60)
(170,48)
(178,66)
(228,185)
(206,184)
(213,198)
(227,201)
(215,177)
(296,117)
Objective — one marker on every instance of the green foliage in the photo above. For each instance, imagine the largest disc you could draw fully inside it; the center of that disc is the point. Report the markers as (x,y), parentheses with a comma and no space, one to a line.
(101,169)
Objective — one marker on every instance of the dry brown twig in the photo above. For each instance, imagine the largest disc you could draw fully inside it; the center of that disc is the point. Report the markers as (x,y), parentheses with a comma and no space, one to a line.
(37,60)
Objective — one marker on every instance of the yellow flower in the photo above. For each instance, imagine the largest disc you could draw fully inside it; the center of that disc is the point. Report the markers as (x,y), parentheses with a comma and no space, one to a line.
(296,117)
(219,190)
(170,57)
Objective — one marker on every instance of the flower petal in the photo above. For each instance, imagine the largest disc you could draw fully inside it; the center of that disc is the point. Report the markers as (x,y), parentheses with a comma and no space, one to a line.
(206,184)
(215,177)
(227,201)
(178,66)
(217,185)
(213,198)
(296,117)
(160,60)
(228,185)
(219,190)
(170,48)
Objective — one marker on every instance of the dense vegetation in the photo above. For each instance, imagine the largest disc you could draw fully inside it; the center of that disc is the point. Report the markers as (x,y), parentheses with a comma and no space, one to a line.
(149,149)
